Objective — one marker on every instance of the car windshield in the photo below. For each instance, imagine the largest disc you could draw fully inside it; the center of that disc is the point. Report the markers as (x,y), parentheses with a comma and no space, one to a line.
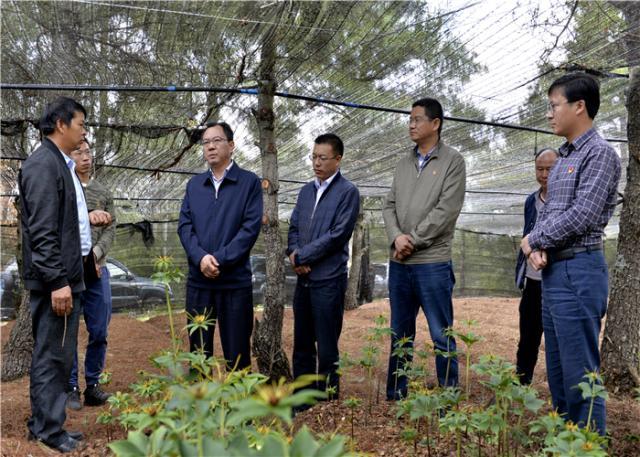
(115,271)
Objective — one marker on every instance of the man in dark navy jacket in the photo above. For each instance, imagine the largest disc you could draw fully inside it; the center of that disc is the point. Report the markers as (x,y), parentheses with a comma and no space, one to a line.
(528,279)
(318,249)
(219,224)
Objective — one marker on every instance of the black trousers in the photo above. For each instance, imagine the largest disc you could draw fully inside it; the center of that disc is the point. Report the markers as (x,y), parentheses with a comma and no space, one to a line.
(318,308)
(51,363)
(232,309)
(530,330)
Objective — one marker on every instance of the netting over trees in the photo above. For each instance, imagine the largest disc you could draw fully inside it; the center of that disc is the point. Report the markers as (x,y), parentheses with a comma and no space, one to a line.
(477,60)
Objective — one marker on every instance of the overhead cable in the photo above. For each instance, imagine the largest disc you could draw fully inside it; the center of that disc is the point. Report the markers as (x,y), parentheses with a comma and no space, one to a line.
(253,91)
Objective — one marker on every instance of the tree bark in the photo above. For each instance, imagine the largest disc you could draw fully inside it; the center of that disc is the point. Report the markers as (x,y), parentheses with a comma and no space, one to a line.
(367,276)
(267,336)
(16,353)
(621,344)
(355,281)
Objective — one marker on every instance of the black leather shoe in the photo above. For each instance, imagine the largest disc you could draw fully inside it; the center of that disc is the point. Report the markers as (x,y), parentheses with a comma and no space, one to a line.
(78,436)
(66,445)
(73,399)
(299,409)
(95,396)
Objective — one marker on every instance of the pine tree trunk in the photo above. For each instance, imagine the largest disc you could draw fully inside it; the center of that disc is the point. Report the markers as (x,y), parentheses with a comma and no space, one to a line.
(352,299)
(367,277)
(621,345)
(16,353)
(267,336)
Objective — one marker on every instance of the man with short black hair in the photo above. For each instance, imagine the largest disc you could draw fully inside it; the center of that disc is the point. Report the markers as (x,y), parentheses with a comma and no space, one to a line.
(420,215)
(96,298)
(528,279)
(56,245)
(219,224)
(567,244)
(318,248)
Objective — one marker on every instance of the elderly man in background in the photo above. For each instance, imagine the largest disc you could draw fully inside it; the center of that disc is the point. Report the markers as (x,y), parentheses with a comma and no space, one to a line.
(528,279)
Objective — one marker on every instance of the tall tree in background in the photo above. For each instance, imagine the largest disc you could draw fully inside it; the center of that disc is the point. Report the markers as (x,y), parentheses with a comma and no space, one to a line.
(267,336)
(16,353)
(621,344)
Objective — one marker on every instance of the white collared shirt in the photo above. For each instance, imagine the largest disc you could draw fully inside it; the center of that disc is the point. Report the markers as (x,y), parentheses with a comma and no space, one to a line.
(217,182)
(83,212)
(321,187)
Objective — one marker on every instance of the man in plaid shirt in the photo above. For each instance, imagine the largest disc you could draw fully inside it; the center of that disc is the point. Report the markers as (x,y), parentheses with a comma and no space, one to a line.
(566,244)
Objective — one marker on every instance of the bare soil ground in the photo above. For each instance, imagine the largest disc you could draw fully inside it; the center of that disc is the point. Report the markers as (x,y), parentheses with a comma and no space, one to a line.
(132,341)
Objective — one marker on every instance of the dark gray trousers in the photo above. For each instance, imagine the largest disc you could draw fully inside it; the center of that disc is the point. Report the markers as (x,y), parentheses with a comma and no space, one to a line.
(51,364)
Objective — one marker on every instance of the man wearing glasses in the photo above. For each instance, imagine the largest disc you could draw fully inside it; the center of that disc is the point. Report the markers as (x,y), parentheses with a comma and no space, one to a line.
(566,244)
(96,298)
(219,224)
(318,248)
(420,215)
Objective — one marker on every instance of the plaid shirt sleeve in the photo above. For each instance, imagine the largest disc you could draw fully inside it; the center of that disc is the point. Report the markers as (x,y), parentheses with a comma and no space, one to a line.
(581,200)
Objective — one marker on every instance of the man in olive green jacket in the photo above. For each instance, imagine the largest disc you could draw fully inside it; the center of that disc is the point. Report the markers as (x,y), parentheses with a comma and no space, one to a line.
(420,214)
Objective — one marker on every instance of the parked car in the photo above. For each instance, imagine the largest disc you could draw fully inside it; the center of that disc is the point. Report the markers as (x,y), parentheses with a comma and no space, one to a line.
(128,291)
(381,280)
(259,278)
(9,290)
(258,267)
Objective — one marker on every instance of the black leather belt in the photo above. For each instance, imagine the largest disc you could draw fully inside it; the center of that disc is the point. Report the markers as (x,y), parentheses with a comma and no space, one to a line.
(570,253)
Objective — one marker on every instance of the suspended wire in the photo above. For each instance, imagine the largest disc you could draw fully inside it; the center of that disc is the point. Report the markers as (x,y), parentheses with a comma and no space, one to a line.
(118,88)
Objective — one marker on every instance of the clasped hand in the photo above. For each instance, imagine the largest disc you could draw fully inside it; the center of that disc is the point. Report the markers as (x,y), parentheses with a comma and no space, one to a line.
(537,259)
(99,218)
(298,269)
(403,247)
(209,267)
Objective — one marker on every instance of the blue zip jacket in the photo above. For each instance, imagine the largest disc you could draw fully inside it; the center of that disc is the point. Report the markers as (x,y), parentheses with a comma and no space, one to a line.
(226,226)
(530,215)
(321,237)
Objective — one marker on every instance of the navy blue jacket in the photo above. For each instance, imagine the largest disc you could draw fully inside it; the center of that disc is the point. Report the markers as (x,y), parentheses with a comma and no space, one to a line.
(321,237)
(226,226)
(530,215)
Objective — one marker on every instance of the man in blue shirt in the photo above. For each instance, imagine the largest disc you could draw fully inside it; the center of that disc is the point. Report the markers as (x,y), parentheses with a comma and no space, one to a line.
(318,248)
(567,244)
(528,279)
(219,224)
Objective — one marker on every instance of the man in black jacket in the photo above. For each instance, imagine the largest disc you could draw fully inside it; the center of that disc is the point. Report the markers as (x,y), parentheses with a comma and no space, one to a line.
(56,243)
